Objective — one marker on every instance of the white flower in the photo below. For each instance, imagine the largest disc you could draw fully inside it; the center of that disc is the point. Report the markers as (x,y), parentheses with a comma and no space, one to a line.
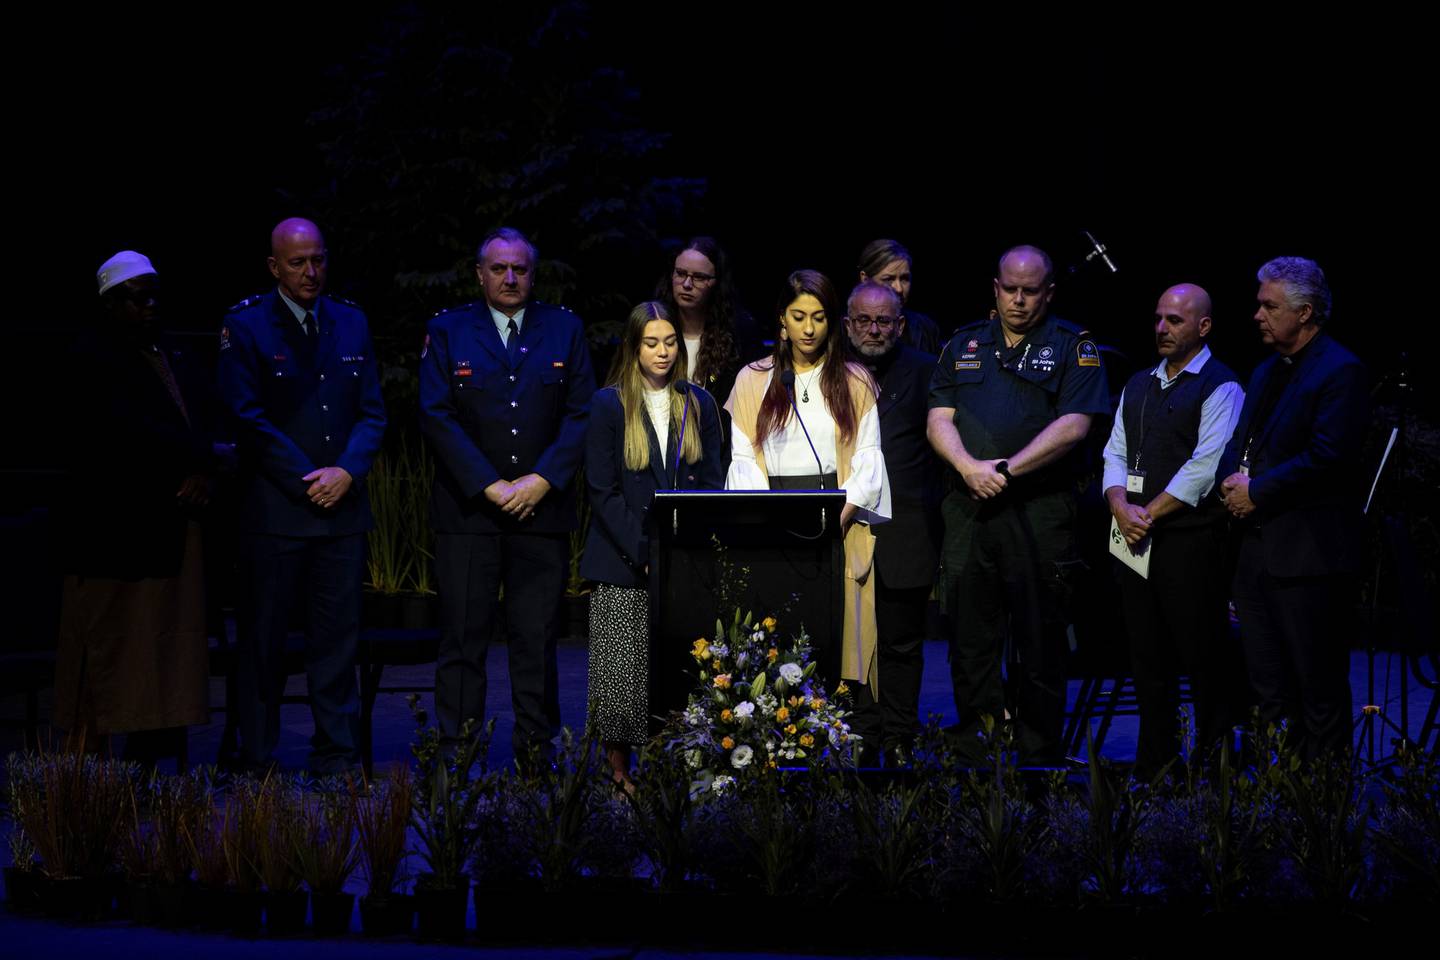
(791,672)
(692,759)
(744,709)
(758,636)
(741,757)
(741,658)
(721,782)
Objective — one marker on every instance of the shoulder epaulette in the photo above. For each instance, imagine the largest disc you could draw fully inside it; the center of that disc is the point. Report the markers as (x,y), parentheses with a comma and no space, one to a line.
(459,306)
(342,300)
(1074,329)
(246,303)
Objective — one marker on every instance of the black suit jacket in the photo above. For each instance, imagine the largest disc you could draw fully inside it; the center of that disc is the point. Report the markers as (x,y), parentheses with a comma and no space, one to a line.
(617,544)
(907,548)
(1305,460)
(130,449)
(489,419)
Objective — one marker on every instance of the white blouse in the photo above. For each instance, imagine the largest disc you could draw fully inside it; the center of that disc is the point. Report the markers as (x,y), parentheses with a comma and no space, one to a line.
(788,454)
(657,402)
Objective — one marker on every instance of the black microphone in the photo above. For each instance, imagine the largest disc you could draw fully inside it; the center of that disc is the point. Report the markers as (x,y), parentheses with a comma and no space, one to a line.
(682,387)
(787,377)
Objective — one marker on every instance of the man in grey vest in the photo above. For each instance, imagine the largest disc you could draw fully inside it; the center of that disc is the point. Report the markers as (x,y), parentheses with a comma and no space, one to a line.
(1170,430)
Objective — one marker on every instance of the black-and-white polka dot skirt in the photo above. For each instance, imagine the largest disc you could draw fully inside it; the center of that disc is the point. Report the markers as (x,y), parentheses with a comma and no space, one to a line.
(619,693)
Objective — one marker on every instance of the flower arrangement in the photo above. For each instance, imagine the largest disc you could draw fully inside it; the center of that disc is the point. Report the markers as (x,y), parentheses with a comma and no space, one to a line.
(758,706)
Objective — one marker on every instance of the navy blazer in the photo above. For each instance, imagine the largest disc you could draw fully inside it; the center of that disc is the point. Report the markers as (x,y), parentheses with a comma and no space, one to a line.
(617,546)
(1305,461)
(907,548)
(294,416)
(487,419)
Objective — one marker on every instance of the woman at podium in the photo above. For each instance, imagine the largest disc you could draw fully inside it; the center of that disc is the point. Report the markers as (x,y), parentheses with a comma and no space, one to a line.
(649,430)
(805,418)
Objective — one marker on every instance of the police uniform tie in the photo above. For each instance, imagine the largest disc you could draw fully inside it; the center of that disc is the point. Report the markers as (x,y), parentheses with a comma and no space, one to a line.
(309,324)
(512,341)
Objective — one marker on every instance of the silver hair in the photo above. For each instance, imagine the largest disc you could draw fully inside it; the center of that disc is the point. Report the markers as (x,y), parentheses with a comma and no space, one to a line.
(1303,282)
(870,286)
(511,235)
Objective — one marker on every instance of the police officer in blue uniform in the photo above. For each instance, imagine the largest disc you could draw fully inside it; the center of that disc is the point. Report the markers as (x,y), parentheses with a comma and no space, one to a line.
(1010,401)
(297,370)
(505,387)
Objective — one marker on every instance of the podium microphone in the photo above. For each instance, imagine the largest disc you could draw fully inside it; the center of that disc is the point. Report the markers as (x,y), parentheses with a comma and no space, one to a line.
(683,388)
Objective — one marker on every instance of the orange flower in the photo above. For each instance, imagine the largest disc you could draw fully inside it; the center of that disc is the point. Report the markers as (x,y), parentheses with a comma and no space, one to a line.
(772,654)
(722,681)
(790,730)
(817,704)
(795,701)
(728,743)
(806,740)
(701,649)
(782,714)
(726,716)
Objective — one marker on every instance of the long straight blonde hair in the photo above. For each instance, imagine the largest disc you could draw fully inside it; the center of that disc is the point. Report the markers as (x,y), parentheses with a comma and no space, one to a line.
(627,380)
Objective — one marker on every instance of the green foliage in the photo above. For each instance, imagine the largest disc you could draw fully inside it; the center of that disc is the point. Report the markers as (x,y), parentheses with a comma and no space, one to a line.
(75,811)
(326,849)
(401,547)
(382,821)
(446,795)
(997,820)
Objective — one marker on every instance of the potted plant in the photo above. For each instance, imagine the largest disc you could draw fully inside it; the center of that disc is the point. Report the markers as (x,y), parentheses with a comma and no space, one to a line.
(280,825)
(327,853)
(23,787)
(205,840)
(242,834)
(177,805)
(382,822)
(442,814)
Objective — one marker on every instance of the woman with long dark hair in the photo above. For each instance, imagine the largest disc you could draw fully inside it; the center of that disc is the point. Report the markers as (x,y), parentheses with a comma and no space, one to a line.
(719,334)
(771,447)
(633,447)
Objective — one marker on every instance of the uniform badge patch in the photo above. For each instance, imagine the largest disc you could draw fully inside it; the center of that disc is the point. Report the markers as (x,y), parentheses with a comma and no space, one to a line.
(1087,354)
(558,364)
(973,345)
(967,364)
(224,338)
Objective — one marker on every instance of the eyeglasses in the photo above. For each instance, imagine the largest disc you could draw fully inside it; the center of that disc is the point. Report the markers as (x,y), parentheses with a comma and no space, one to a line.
(881,323)
(698,279)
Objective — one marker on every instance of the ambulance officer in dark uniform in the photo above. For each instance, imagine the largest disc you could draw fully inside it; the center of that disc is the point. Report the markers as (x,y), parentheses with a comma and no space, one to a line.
(1010,400)
(298,371)
(505,387)
(907,549)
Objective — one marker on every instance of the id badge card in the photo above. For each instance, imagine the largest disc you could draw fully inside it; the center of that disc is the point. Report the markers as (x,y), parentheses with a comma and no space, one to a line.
(1135,481)
(1245,467)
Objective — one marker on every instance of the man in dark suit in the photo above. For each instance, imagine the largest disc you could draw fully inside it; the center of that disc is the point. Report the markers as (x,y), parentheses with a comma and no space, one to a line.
(907,548)
(298,371)
(505,387)
(1291,478)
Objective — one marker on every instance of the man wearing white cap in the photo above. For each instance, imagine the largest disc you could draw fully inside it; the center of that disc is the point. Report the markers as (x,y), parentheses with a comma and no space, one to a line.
(132,649)
(297,369)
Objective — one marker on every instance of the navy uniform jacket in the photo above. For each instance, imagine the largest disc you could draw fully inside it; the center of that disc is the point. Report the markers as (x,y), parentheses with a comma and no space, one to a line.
(294,417)
(907,548)
(617,546)
(1305,461)
(488,421)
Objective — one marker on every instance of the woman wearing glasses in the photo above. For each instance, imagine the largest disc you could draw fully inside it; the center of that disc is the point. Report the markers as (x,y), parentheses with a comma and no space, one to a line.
(809,373)
(719,334)
(633,447)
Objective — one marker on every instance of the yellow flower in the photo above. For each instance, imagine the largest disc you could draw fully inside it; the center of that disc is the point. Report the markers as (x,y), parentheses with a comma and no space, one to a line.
(770,763)
(768,623)
(782,714)
(795,701)
(728,743)
(817,704)
(726,716)
(806,740)
(842,689)
(701,649)
(722,681)
(772,655)
(790,730)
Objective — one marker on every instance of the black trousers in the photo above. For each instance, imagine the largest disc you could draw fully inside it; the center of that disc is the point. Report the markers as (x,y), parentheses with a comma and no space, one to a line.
(1293,630)
(1009,559)
(470,569)
(900,651)
(1177,623)
(326,573)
